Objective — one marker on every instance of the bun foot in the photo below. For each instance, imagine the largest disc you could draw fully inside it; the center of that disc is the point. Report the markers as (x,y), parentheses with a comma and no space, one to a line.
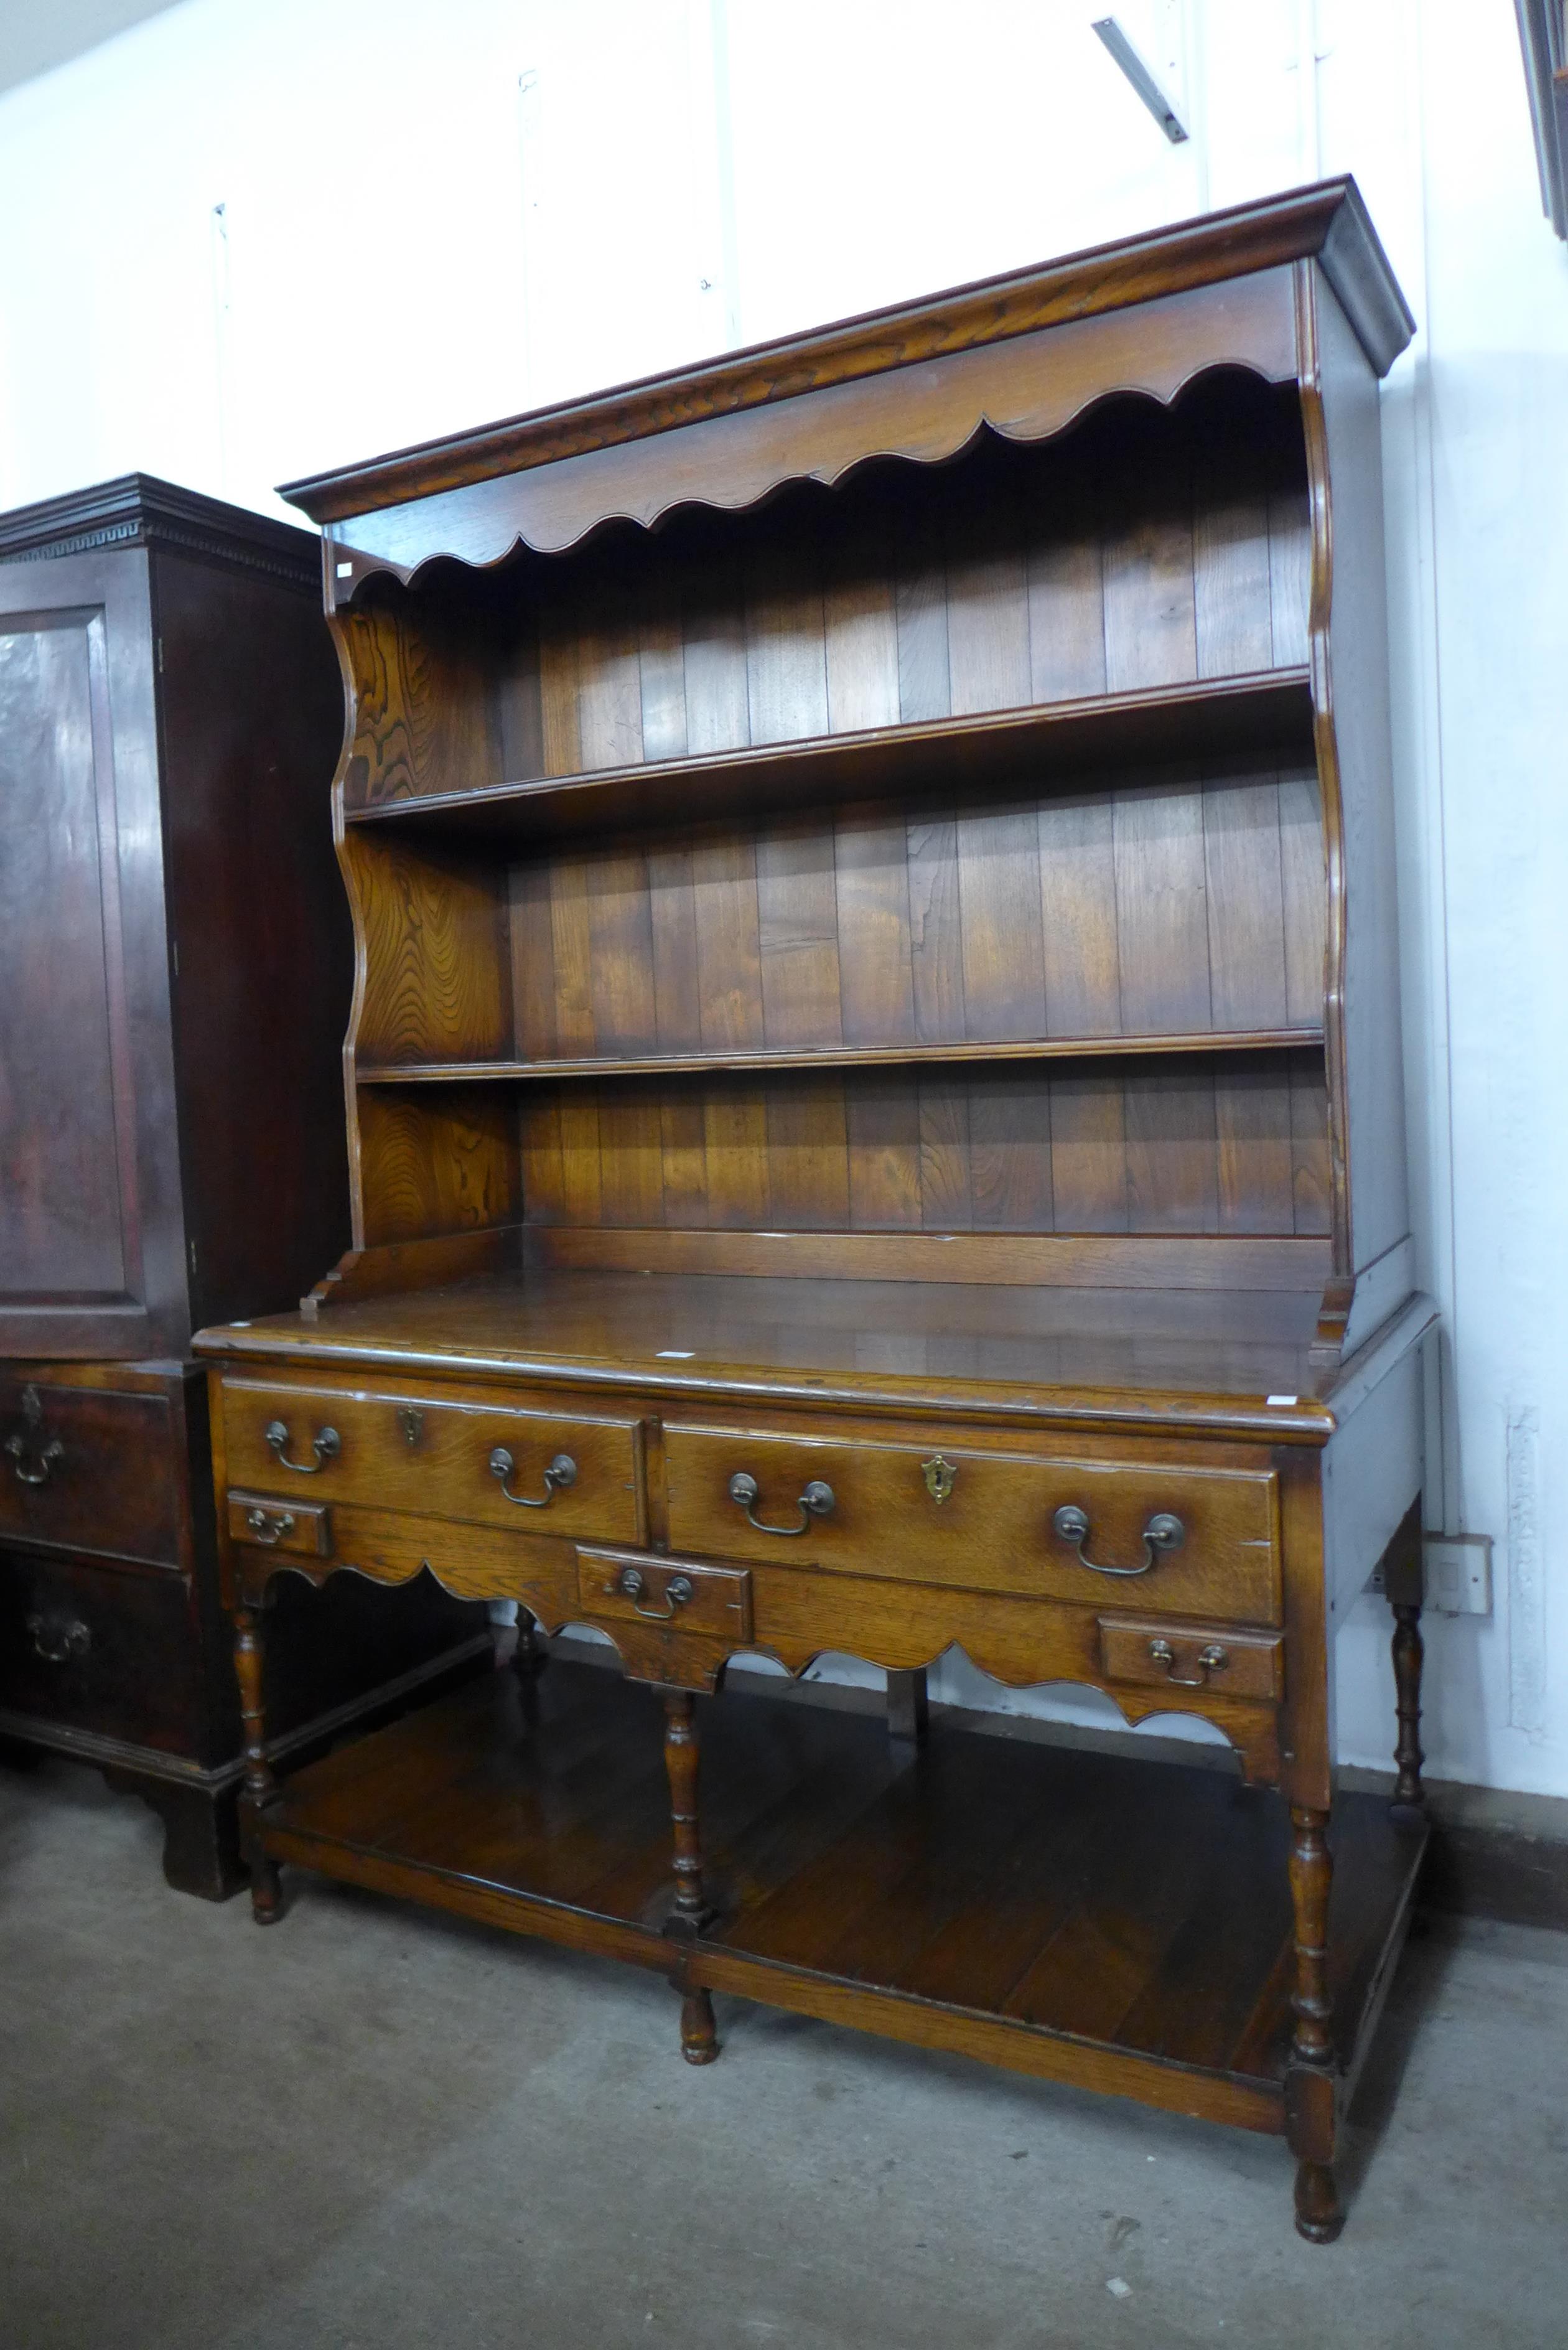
(1319,2217)
(698,2033)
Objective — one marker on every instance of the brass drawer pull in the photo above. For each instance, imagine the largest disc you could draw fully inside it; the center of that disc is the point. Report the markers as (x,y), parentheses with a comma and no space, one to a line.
(326,1444)
(57,1641)
(1163,1532)
(33,1463)
(561,1473)
(270,1526)
(632,1583)
(814,1503)
(1211,1659)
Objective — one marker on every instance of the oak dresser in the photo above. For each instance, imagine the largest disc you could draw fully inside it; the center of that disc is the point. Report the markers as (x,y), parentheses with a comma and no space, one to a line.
(875,1127)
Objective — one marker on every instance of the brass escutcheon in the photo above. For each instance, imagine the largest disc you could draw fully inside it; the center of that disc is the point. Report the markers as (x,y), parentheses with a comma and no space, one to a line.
(412,1420)
(939,1476)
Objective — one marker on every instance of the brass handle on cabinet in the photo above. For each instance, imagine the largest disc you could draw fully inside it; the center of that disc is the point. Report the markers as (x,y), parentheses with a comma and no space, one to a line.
(814,1503)
(1163,1532)
(56,1641)
(33,1463)
(561,1473)
(270,1526)
(326,1444)
(1211,1659)
(632,1582)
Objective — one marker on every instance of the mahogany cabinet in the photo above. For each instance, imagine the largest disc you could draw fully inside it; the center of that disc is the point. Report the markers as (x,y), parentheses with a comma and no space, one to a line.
(175,968)
(875,1127)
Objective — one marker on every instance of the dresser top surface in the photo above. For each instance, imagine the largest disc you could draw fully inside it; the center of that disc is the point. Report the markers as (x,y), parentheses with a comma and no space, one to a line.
(1211,1358)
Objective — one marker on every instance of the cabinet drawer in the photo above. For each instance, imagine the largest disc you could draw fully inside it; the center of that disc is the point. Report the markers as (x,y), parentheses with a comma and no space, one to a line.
(1192,1656)
(299,1529)
(620,1585)
(100,1648)
(88,1469)
(540,1473)
(982,1520)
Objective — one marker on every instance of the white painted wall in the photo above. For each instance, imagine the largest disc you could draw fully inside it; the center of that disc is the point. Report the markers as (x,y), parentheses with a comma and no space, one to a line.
(433,215)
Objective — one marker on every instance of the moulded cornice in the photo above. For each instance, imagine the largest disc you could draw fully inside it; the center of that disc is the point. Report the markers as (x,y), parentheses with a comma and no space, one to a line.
(139,510)
(1327,223)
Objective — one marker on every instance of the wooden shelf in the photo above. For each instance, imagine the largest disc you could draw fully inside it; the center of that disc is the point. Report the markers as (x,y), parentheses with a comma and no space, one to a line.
(1263,714)
(931,1898)
(844,1056)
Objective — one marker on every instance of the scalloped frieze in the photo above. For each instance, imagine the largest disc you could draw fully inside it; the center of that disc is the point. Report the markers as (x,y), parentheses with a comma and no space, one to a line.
(1027,389)
(685,1661)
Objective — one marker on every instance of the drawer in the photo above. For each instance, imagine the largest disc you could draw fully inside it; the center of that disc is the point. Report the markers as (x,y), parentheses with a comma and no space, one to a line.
(538,1473)
(623,1584)
(982,1520)
(88,1469)
(297,1529)
(1193,1655)
(100,1649)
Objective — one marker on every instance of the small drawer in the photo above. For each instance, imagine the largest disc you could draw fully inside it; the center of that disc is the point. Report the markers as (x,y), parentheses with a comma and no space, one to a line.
(302,1529)
(110,1649)
(1198,1541)
(88,1469)
(620,1584)
(1193,1655)
(537,1472)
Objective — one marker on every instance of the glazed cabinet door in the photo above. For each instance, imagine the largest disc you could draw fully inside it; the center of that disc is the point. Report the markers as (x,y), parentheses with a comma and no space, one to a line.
(91,1257)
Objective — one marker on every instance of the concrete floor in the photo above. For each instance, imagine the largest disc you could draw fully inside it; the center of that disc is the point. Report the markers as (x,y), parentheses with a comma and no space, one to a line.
(371,2126)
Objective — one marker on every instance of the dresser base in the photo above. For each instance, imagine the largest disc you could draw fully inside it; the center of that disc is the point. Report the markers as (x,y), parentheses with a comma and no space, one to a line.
(1120,1925)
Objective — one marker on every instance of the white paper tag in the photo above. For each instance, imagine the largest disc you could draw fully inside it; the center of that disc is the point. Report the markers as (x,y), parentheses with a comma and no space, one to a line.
(675,1354)
(346,571)
(1282,1399)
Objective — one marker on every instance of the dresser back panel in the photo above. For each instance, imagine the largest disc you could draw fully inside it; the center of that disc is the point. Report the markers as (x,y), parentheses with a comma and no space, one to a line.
(1195,1146)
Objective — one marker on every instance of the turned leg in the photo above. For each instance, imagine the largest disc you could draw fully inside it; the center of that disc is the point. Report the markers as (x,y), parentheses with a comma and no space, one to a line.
(908,1706)
(259,1785)
(698,2033)
(680,1758)
(698,2037)
(1410,1796)
(1310,2087)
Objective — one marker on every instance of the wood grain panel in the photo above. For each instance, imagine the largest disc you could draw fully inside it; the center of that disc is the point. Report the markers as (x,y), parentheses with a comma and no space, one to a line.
(620,941)
(1172,1151)
(1000,901)
(1078,917)
(672,922)
(861,622)
(875,977)
(936,942)
(423,713)
(715,631)
(797,919)
(786,653)
(437,986)
(1162,915)
(436,1163)
(988,593)
(1065,581)
(1150,622)
(882,1125)
(729,946)
(1246,907)
(808,1156)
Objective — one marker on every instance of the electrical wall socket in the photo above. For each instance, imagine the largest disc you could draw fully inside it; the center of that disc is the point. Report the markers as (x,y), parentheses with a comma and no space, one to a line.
(1457,1573)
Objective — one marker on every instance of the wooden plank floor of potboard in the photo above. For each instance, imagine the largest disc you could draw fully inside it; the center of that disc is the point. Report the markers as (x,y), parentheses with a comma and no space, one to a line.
(1141,1906)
